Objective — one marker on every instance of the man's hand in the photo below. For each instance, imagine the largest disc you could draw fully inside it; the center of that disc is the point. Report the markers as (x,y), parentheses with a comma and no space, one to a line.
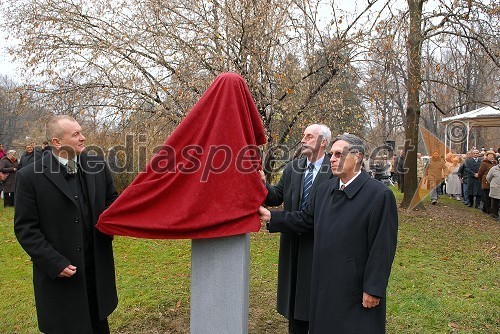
(262,176)
(265,214)
(370,301)
(68,271)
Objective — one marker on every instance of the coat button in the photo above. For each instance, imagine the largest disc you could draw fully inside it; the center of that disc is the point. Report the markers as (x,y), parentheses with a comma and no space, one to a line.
(76,196)
(79,248)
(77,220)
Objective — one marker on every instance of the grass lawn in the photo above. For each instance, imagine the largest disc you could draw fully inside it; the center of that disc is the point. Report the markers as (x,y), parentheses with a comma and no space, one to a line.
(445,278)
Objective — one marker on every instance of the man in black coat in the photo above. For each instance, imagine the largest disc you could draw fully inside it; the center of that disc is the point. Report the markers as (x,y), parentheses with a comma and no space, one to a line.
(60,198)
(474,189)
(355,223)
(27,157)
(296,249)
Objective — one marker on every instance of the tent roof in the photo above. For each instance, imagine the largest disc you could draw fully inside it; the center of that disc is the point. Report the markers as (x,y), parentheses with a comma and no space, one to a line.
(485,117)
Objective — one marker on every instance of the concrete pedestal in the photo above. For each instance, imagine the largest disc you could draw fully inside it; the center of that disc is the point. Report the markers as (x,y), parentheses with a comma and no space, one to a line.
(219,285)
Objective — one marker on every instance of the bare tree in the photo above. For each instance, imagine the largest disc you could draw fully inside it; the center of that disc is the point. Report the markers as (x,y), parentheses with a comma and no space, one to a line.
(107,60)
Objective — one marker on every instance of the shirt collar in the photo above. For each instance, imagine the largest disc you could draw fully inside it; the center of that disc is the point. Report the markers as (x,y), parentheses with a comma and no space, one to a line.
(317,163)
(64,161)
(348,182)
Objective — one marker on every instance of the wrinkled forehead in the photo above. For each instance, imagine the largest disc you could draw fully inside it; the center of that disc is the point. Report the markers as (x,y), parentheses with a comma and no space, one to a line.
(312,130)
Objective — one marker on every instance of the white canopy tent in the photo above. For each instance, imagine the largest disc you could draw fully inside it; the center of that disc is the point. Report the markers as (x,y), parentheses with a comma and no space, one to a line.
(482,117)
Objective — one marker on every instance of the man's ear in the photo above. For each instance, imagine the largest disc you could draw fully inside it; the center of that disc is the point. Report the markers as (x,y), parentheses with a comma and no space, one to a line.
(55,142)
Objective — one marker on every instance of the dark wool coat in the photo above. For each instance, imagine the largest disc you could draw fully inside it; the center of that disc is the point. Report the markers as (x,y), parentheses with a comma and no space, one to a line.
(47,226)
(7,166)
(26,159)
(355,234)
(296,250)
(473,183)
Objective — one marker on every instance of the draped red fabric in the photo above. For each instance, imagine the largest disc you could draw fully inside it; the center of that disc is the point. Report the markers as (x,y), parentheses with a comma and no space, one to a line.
(204,182)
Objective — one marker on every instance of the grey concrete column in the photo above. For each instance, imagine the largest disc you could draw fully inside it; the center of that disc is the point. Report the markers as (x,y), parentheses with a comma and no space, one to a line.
(219,285)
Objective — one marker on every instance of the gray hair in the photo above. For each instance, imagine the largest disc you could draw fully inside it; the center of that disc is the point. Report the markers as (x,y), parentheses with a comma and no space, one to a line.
(52,128)
(325,133)
(355,143)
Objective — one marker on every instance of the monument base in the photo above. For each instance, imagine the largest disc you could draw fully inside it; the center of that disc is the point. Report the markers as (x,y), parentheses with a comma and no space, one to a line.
(219,285)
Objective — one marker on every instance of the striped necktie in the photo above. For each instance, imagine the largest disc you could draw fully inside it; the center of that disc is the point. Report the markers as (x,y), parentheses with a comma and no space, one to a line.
(308,181)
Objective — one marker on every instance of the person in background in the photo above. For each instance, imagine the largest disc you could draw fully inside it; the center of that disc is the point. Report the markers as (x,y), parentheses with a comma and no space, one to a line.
(27,157)
(58,204)
(2,154)
(434,173)
(400,170)
(463,174)
(453,184)
(9,165)
(484,168)
(473,182)
(300,177)
(420,168)
(493,178)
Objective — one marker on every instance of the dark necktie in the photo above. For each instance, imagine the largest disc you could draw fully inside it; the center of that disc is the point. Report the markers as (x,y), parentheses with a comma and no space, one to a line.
(308,181)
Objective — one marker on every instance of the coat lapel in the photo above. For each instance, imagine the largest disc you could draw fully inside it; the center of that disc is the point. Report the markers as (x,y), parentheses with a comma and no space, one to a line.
(297,180)
(52,170)
(89,172)
(324,174)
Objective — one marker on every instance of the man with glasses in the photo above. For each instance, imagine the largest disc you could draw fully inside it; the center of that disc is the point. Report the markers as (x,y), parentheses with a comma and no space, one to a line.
(300,178)
(355,223)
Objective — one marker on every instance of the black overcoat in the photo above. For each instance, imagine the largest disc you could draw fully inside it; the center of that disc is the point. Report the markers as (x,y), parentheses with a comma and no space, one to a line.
(355,234)
(473,183)
(296,250)
(47,226)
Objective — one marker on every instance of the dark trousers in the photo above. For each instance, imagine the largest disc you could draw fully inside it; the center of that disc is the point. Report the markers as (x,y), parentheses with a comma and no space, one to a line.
(8,199)
(471,201)
(495,202)
(298,326)
(487,201)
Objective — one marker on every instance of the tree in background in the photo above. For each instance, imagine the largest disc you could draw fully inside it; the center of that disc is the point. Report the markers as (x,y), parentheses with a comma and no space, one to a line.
(109,61)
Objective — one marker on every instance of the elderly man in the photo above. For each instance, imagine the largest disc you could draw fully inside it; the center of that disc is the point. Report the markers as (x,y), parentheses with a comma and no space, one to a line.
(474,190)
(59,199)
(355,222)
(300,177)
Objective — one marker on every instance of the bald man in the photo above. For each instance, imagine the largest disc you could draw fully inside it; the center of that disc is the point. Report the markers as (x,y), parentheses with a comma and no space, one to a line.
(59,199)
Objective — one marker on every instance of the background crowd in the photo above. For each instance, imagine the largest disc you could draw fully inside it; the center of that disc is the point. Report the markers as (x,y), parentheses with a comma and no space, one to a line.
(10,164)
(473,177)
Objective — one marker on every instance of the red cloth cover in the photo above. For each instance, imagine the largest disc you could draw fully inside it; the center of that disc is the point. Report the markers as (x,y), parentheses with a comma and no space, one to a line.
(204,182)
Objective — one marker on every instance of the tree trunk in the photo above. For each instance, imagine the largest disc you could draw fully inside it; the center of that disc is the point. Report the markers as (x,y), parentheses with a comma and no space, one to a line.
(413,109)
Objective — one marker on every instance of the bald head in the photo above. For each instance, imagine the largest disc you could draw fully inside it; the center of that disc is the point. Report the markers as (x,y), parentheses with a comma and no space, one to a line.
(65,136)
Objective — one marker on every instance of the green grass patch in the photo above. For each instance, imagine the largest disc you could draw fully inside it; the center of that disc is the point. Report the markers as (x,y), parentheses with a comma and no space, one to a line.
(445,278)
